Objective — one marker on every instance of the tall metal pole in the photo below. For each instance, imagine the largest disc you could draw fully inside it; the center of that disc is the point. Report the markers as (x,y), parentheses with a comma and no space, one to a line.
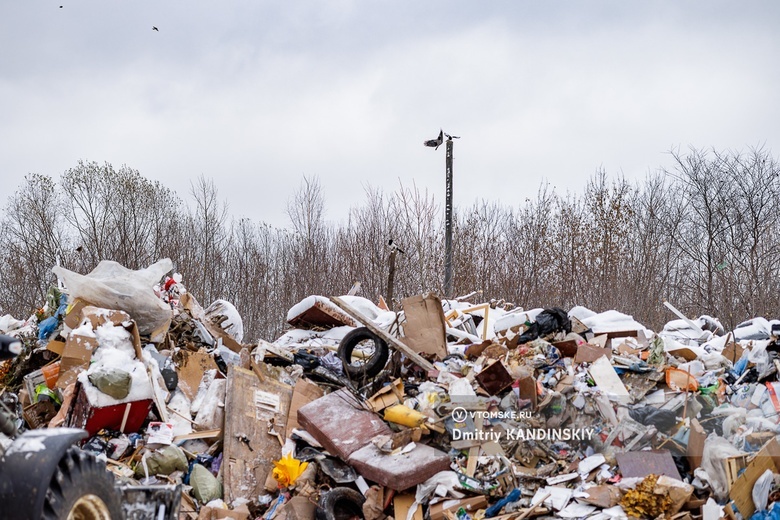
(448,225)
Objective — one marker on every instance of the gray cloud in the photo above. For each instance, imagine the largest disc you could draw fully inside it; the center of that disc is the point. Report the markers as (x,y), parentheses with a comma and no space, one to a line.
(256,94)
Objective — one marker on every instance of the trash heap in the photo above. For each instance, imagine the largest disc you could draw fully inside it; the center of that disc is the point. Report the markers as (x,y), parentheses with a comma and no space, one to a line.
(443,410)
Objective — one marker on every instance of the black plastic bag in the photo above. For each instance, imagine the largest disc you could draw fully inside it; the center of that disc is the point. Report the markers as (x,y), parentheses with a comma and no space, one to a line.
(663,420)
(547,322)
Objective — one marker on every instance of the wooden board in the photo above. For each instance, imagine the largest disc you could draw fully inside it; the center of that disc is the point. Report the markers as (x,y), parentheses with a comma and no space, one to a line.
(742,490)
(250,405)
(390,340)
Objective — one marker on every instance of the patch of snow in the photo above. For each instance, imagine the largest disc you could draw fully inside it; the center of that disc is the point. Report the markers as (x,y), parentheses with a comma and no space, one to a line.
(757,328)
(179,403)
(234,324)
(108,357)
(25,445)
(9,323)
(581,313)
(85,329)
(612,321)
(306,304)
(117,338)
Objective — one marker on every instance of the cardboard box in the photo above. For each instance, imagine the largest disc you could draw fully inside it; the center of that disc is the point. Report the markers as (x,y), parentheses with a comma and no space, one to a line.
(304,392)
(424,330)
(402,504)
(55,346)
(98,316)
(590,353)
(387,396)
(73,316)
(75,357)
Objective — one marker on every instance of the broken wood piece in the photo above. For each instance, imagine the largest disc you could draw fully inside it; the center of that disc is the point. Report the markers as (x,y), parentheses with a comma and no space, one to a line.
(205,434)
(180,415)
(471,465)
(190,367)
(318,312)
(251,405)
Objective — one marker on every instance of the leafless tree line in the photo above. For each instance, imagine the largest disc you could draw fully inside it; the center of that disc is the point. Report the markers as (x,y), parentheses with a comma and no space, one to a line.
(704,234)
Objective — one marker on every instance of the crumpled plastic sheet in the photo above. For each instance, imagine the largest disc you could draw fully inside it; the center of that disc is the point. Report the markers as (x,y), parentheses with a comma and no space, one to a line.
(716,449)
(113,286)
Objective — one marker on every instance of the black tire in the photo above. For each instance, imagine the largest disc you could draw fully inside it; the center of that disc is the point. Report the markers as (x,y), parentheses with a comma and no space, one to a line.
(370,367)
(341,503)
(81,486)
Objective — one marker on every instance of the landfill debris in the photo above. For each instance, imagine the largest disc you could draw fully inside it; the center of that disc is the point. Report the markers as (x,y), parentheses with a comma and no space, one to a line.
(443,409)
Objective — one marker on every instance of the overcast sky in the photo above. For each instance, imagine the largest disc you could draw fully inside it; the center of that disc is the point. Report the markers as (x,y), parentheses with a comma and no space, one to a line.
(256,94)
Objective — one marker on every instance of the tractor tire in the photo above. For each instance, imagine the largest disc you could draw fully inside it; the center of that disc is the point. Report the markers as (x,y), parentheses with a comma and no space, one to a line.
(370,367)
(82,489)
(341,503)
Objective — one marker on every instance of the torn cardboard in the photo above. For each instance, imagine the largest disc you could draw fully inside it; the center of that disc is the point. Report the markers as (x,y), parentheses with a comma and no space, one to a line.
(389,395)
(424,329)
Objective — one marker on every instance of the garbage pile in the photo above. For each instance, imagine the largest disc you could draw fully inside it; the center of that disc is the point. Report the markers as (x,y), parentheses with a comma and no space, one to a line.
(444,410)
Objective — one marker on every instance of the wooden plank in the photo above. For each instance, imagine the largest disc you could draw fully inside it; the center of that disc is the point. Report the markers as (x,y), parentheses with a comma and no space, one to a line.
(390,340)
(205,434)
(741,491)
(251,405)
(471,465)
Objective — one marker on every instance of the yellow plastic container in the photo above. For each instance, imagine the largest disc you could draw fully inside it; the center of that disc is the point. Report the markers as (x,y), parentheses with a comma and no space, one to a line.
(403,415)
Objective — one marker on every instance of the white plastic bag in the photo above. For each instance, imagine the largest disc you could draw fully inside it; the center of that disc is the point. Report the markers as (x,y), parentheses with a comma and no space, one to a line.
(762,488)
(116,287)
(715,450)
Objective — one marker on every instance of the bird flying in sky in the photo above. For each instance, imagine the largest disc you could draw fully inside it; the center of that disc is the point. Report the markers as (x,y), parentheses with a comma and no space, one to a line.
(435,143)
(155,28)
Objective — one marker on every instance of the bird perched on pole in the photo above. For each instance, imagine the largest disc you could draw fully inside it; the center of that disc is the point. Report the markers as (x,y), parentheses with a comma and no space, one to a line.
(394,247)
(435,143)
(451,137)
